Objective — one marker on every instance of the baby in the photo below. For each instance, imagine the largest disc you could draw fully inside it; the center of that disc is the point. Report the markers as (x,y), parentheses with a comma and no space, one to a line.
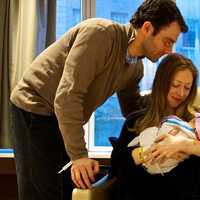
(148,136)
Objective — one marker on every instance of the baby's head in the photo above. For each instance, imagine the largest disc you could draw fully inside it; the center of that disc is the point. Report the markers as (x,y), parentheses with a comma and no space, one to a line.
(183,128)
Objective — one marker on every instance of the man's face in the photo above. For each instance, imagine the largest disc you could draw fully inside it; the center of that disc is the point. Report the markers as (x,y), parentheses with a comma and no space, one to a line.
(155,46)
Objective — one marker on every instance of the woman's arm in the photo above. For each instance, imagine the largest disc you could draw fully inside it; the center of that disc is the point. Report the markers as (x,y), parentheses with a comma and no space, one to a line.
(122,163)
(192,147)
(168,146)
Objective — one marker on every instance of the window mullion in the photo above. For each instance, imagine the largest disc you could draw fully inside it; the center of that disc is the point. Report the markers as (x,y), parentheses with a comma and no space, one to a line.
(88,9)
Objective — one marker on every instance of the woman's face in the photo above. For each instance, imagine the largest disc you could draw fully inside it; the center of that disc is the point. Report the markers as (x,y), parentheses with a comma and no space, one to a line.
(179,88)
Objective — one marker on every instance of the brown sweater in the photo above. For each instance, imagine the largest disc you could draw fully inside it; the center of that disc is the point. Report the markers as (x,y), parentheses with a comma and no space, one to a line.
(76,74)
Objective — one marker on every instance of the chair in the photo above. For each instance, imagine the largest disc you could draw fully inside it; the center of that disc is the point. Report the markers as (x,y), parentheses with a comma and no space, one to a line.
(101,190)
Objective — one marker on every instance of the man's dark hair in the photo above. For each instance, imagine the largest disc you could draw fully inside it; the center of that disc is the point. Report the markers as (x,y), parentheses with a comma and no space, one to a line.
(160,13)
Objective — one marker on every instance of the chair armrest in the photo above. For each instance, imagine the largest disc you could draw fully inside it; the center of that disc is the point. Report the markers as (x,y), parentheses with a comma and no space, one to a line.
(102,189)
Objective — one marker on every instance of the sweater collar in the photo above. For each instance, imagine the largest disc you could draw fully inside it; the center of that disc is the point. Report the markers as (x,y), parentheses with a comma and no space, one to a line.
(131,34)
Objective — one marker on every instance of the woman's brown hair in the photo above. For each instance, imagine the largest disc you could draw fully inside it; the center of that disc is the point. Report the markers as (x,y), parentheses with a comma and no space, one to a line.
(165,73)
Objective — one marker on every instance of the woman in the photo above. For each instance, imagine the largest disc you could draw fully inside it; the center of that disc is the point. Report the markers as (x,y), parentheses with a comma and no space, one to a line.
(174,88)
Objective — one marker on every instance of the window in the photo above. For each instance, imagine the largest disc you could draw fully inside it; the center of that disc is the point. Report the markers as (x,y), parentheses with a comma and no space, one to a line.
(76,15)
(188,43)
(68,14)
(107,120)
(190,36)
(119,17)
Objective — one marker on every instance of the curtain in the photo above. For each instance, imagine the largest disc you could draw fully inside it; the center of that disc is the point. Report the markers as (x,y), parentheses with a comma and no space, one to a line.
(33,29)
(28,28)
(4,73)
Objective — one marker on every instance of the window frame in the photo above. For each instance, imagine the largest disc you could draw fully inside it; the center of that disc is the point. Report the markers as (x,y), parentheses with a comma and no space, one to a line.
(88,10)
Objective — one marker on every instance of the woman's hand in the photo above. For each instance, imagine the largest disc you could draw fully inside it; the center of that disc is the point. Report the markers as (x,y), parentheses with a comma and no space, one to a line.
(137,155)
(168,146)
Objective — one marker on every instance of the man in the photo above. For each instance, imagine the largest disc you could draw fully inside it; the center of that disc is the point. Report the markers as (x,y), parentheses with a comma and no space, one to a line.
(69,80)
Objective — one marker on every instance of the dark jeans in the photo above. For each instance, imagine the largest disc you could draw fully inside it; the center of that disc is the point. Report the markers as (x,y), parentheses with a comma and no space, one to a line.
(39,155)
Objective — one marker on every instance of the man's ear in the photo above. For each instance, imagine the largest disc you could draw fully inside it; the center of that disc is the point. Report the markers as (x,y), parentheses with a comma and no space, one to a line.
(147,28)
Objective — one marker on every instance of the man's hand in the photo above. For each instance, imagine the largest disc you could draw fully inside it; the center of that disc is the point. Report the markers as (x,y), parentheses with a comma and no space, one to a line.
(83,172)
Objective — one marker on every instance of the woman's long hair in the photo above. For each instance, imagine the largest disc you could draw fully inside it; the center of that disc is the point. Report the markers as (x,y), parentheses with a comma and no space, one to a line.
(165,73)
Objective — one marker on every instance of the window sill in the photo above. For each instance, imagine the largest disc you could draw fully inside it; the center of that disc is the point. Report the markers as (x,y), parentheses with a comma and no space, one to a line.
(6,153)
(102,154)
